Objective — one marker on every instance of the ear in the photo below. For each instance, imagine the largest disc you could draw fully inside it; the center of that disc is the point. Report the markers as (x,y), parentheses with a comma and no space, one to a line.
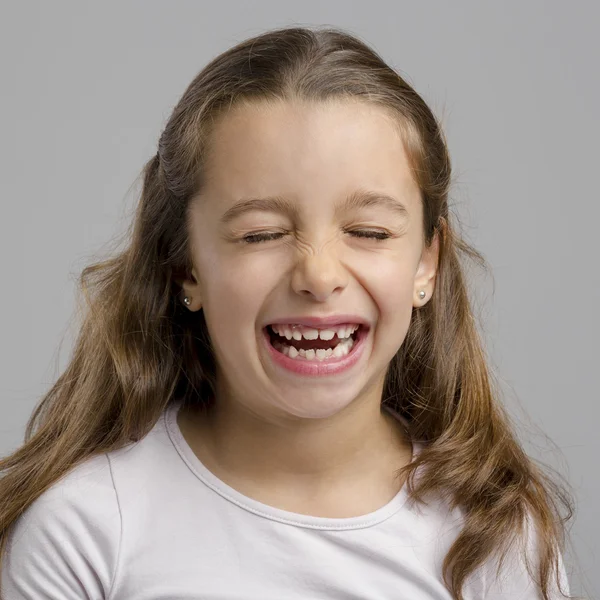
(190,287)
(427,269)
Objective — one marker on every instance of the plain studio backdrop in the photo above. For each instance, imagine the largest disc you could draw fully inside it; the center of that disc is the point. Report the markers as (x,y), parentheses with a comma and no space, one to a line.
(86,89)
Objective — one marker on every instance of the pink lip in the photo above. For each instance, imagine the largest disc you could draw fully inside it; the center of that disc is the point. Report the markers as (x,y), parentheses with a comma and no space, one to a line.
(321,322)
(331,366)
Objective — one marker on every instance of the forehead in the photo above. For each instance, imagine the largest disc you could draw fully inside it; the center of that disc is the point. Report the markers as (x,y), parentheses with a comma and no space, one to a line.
(308,150)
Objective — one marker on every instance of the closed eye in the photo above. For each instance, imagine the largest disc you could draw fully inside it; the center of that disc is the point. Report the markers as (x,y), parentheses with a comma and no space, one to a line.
(365,233)
(257,238)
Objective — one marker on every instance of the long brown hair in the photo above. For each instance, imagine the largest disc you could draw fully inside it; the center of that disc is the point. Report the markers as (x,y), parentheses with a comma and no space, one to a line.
(138,349)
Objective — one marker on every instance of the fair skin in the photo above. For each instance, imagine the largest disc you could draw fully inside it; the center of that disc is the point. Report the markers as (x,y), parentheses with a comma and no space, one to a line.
(319,446)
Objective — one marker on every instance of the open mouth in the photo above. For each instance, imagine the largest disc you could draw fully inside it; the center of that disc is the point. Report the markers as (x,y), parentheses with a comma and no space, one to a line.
(323,347)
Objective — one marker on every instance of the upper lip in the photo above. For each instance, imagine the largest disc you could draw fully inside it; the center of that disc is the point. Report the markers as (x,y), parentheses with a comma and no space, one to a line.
(321,322)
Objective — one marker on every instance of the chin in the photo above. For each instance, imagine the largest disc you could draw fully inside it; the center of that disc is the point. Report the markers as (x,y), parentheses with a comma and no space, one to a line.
(316,408)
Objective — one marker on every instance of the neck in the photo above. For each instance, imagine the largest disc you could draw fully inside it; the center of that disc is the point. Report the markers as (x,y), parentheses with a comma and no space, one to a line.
(362,447)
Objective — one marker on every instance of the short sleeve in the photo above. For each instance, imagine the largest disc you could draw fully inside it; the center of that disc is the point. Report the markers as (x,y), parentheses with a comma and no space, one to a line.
(513,582)
(65,545)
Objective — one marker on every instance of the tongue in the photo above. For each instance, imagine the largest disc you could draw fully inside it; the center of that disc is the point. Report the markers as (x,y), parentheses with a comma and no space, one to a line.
(313,344)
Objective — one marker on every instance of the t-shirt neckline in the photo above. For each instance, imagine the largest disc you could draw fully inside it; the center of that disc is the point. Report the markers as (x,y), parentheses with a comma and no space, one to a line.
(270,512)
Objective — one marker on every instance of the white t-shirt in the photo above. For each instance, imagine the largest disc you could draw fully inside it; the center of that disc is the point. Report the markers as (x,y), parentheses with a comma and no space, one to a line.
(150,522)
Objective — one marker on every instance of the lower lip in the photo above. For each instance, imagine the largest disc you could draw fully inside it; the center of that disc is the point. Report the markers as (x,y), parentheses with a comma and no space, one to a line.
(331,366)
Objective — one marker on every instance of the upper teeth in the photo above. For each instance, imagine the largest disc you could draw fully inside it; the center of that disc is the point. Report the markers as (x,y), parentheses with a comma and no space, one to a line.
(343,331)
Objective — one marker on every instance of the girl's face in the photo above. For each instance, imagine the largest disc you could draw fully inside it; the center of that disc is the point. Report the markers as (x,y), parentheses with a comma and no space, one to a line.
(316,260)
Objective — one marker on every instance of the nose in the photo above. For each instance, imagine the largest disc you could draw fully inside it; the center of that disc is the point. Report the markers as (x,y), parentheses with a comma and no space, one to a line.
(319,275)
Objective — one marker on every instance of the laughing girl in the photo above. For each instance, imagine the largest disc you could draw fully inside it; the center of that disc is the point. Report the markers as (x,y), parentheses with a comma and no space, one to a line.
(278,390)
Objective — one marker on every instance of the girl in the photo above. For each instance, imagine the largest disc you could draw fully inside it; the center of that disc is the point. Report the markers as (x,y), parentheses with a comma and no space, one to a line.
(278,390)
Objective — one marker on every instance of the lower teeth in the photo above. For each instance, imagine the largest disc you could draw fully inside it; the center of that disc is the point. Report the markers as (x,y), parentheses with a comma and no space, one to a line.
(342,349)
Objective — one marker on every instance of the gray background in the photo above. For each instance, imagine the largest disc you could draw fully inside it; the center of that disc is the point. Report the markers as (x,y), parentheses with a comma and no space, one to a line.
(86,88)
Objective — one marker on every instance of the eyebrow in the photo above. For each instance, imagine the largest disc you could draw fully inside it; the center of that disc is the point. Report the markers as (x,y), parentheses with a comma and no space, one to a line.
(357,200)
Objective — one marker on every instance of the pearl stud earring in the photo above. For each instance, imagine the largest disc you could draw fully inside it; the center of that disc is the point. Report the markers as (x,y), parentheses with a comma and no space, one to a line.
(187,301)
(421,294)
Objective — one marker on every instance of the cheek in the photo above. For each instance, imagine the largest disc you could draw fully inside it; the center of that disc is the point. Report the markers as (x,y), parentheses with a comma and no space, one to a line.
(236,291)
(391,284)
(391,288)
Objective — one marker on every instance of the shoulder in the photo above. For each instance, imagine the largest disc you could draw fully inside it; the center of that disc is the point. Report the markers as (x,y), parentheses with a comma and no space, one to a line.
(66,543)
(83,495)
(512,577)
